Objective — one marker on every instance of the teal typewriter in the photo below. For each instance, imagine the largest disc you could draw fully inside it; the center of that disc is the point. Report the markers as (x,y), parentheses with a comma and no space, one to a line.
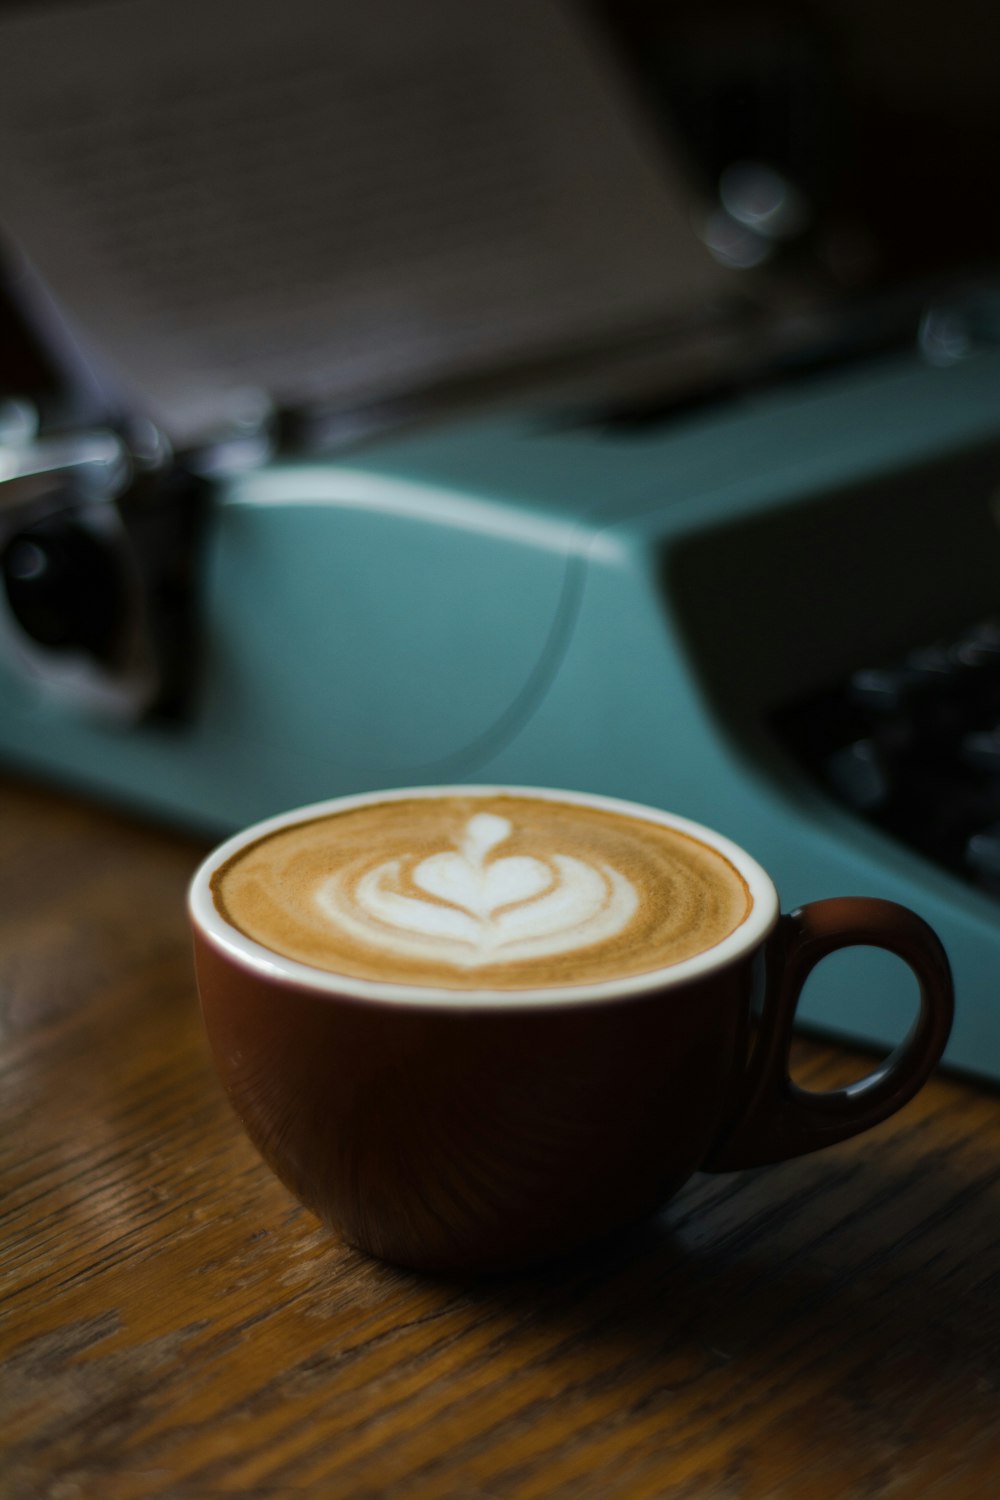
(781,619)
(750,573)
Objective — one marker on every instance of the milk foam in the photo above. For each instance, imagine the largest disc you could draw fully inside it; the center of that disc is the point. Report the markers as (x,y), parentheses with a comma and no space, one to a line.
(491,891)
(469,910)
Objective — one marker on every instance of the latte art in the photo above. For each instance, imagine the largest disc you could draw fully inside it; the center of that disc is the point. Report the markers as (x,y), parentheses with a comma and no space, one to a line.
(464,908)
(492,891)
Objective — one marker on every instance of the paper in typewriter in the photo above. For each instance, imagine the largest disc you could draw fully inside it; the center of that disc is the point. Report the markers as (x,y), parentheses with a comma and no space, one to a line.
(330,202)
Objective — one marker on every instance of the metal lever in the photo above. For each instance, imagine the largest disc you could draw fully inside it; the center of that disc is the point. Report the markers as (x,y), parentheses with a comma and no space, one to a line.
(98,532)
(98,461)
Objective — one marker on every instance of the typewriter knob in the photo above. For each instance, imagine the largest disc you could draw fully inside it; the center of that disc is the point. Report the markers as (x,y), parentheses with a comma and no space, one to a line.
(66,587)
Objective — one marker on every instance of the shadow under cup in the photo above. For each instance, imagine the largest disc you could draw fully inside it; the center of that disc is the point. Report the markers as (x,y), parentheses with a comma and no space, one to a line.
(482,1131)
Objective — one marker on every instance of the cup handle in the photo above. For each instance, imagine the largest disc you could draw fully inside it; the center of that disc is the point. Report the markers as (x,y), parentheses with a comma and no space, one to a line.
(777,1119)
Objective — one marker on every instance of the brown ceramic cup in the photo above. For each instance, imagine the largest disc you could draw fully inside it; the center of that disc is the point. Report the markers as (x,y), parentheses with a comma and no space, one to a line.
(475,1131)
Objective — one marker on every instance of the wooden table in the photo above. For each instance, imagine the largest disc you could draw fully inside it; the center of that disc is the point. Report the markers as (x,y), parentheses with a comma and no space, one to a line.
(172,1324)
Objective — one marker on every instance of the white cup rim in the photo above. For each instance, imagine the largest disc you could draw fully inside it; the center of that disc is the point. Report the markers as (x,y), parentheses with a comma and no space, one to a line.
(266,963)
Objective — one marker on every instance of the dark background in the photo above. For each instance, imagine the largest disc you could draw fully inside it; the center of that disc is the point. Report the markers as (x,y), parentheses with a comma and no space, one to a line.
(886,115)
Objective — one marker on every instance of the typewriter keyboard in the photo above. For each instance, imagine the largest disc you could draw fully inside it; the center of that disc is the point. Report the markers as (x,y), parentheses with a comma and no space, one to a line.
(913,745)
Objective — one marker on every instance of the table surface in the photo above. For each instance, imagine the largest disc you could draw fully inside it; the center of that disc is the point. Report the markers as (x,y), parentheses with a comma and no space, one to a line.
(173,1324)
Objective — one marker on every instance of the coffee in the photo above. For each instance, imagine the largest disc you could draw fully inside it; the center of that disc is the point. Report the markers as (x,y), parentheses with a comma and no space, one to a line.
(491,892)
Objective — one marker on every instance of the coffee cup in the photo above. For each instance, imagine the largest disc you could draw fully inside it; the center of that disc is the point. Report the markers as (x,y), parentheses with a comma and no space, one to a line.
(476,1027)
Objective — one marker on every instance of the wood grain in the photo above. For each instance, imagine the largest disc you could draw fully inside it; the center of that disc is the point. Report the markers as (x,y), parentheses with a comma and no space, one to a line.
(172,1324)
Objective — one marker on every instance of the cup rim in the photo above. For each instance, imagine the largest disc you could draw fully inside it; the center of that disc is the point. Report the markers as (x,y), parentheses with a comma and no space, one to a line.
(266,963)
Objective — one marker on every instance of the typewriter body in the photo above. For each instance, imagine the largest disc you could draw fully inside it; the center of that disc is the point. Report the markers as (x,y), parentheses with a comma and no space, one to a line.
(777,617)
(755,580)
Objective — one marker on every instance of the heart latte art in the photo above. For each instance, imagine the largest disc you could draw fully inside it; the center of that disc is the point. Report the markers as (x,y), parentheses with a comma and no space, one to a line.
(492,892)
(460,905)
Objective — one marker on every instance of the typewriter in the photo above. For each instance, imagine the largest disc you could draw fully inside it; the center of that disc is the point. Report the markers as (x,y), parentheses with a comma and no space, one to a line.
(749,572)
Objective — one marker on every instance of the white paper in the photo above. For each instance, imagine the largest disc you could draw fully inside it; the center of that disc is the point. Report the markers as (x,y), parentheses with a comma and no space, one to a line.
(325,202)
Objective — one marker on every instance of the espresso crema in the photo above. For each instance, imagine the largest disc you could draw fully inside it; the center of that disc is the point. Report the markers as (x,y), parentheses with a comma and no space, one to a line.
(497,892)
